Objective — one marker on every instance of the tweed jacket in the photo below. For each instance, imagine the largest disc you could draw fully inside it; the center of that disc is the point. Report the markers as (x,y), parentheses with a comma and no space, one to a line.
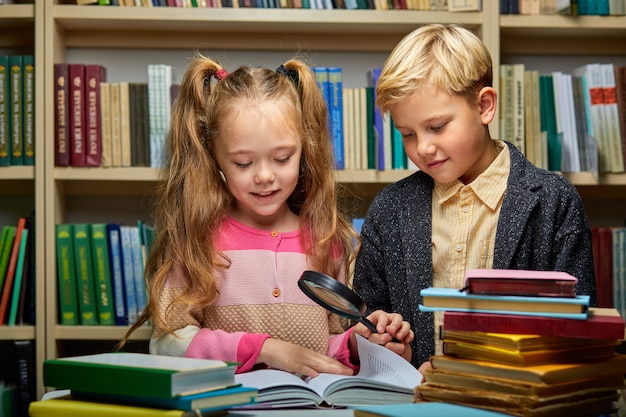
(542,226)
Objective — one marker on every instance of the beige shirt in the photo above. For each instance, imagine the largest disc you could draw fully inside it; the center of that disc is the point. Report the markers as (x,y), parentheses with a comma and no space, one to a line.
(464,224)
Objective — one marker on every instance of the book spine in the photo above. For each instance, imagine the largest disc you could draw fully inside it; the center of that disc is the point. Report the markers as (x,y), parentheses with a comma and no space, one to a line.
(8,233)
(17,109)
(66,275)
(29,110)
(129,277)
(94,75)
(105,119)
(77,111)
(117,274)
(137,256)
(17,285)
(84,275)
(125,122)
(116,124)
(335,79)
(378,124)
(61,115)
(102,274)
(5,141)
(26,383)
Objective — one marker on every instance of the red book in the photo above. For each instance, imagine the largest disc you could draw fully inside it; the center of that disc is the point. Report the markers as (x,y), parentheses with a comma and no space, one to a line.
(76,107)
(94,75)
(602,244)
(601,323)
(61,115)
(520,283)
(7,290)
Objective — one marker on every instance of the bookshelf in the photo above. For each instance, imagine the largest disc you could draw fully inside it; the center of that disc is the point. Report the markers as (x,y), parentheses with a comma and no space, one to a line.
(57,30)
(22,187)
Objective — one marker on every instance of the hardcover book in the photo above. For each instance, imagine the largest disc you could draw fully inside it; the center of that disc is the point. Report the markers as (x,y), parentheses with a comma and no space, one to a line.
(5,126)
(422,409)
(67,406)
(9,278)
(16,91)
(117,274)
(28,99)
(450,299)
(139,374)
(66,275)
(601,323)
(520,282)
(548,373)
(203,401)
(86,292)
(384,378)
(76,108)
(102,274)
(94,75)
(61,115)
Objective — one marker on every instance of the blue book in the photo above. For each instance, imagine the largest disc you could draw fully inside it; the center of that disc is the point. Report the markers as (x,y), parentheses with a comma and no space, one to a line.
(422,409)
(378,124)
(203,401)
(335,110)
(117,274)
(451,299)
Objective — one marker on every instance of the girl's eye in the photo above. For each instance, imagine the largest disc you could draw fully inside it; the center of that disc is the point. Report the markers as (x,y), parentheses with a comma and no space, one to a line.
(283,160)
(241,165)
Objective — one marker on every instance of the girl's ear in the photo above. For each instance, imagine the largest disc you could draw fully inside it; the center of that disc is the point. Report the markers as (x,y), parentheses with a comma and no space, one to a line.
(487,103)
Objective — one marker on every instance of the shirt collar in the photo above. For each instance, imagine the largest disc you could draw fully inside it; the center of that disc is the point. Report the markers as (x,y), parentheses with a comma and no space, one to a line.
(489,186)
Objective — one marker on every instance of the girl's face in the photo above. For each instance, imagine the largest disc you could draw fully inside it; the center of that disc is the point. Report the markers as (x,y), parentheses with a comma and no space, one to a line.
(445,136)
(259,153)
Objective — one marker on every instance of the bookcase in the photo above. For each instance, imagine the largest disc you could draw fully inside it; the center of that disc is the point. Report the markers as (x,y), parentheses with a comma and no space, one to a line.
(22,187)
(58,30)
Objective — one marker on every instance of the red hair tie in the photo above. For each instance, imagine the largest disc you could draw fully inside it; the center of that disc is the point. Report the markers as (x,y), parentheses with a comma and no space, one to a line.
(220,74)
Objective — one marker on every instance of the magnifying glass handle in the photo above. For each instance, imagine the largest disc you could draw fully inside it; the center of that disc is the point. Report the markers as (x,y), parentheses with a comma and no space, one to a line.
(372,327)
(369,324)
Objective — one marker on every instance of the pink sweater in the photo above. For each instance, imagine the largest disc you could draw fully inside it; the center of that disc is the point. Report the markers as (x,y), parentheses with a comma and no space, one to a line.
(258,298)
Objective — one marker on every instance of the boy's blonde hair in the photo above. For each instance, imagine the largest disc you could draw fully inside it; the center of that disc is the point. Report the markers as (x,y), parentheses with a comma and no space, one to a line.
(449,57)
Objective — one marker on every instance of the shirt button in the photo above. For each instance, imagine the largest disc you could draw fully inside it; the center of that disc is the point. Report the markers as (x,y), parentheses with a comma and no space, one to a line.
(465,209)
(274,233)
(458,247)
(276,292)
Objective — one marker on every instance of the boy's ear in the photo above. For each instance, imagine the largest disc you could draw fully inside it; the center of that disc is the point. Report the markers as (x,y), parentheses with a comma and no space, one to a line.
(487,103)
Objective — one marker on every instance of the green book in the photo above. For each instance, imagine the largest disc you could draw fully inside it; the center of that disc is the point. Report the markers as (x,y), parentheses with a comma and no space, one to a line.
(17,284)
(29,109)
(5,125)
(8,234)
(138,374)
(66,275)
(16,93)
(371,130)
(102,274)
(84,275)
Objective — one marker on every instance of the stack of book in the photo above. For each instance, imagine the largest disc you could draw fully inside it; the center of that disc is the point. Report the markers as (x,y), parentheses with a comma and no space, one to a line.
(136,384)
(522,343)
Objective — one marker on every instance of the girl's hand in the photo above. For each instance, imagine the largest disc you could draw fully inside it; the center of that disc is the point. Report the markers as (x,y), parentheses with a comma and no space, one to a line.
(289,357)
(393,333)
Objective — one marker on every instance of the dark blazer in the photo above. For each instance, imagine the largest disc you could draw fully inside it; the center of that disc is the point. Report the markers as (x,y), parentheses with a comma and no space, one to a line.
(542,226)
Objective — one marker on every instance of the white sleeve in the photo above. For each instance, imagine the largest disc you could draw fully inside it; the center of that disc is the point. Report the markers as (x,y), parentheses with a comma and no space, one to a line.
(175,344)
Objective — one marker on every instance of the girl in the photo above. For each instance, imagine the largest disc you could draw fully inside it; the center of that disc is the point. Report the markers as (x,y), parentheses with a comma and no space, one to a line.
(248,204)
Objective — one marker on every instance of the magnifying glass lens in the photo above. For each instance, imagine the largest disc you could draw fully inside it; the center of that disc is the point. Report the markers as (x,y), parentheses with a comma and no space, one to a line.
(329,298)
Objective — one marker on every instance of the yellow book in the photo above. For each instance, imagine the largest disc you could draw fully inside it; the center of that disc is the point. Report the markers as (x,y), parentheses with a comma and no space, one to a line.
(66,406)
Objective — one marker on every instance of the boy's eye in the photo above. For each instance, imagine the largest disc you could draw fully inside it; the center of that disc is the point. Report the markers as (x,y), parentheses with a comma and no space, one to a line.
(437,128)
(408,135)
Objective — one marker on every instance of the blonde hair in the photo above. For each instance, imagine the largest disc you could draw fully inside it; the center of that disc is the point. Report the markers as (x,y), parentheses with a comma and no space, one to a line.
(448,57)
(193,201)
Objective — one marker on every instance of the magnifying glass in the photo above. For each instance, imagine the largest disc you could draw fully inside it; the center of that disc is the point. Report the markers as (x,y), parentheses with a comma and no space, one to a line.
(335,297)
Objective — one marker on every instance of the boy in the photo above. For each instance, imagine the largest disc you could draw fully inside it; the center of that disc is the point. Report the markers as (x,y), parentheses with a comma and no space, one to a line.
(475,203)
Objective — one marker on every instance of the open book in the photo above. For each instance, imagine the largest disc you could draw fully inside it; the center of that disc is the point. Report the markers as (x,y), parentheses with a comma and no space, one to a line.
(384,378)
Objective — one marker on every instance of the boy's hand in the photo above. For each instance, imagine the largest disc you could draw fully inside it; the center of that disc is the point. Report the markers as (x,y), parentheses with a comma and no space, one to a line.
(393,333)
(289,357)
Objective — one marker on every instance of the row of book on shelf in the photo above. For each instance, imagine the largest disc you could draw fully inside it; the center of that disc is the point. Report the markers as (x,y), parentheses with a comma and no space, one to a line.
(17,272)
(524,343)
(100,272)
(17,111)
(565,7)
(110,124)
(423,5)
(566,122)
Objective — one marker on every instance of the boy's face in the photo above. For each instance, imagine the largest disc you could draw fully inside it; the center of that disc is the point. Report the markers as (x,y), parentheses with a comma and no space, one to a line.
(444,135)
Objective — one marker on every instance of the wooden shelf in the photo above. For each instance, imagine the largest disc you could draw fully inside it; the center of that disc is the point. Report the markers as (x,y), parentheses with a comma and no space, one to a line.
(17,333)
(99,333)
